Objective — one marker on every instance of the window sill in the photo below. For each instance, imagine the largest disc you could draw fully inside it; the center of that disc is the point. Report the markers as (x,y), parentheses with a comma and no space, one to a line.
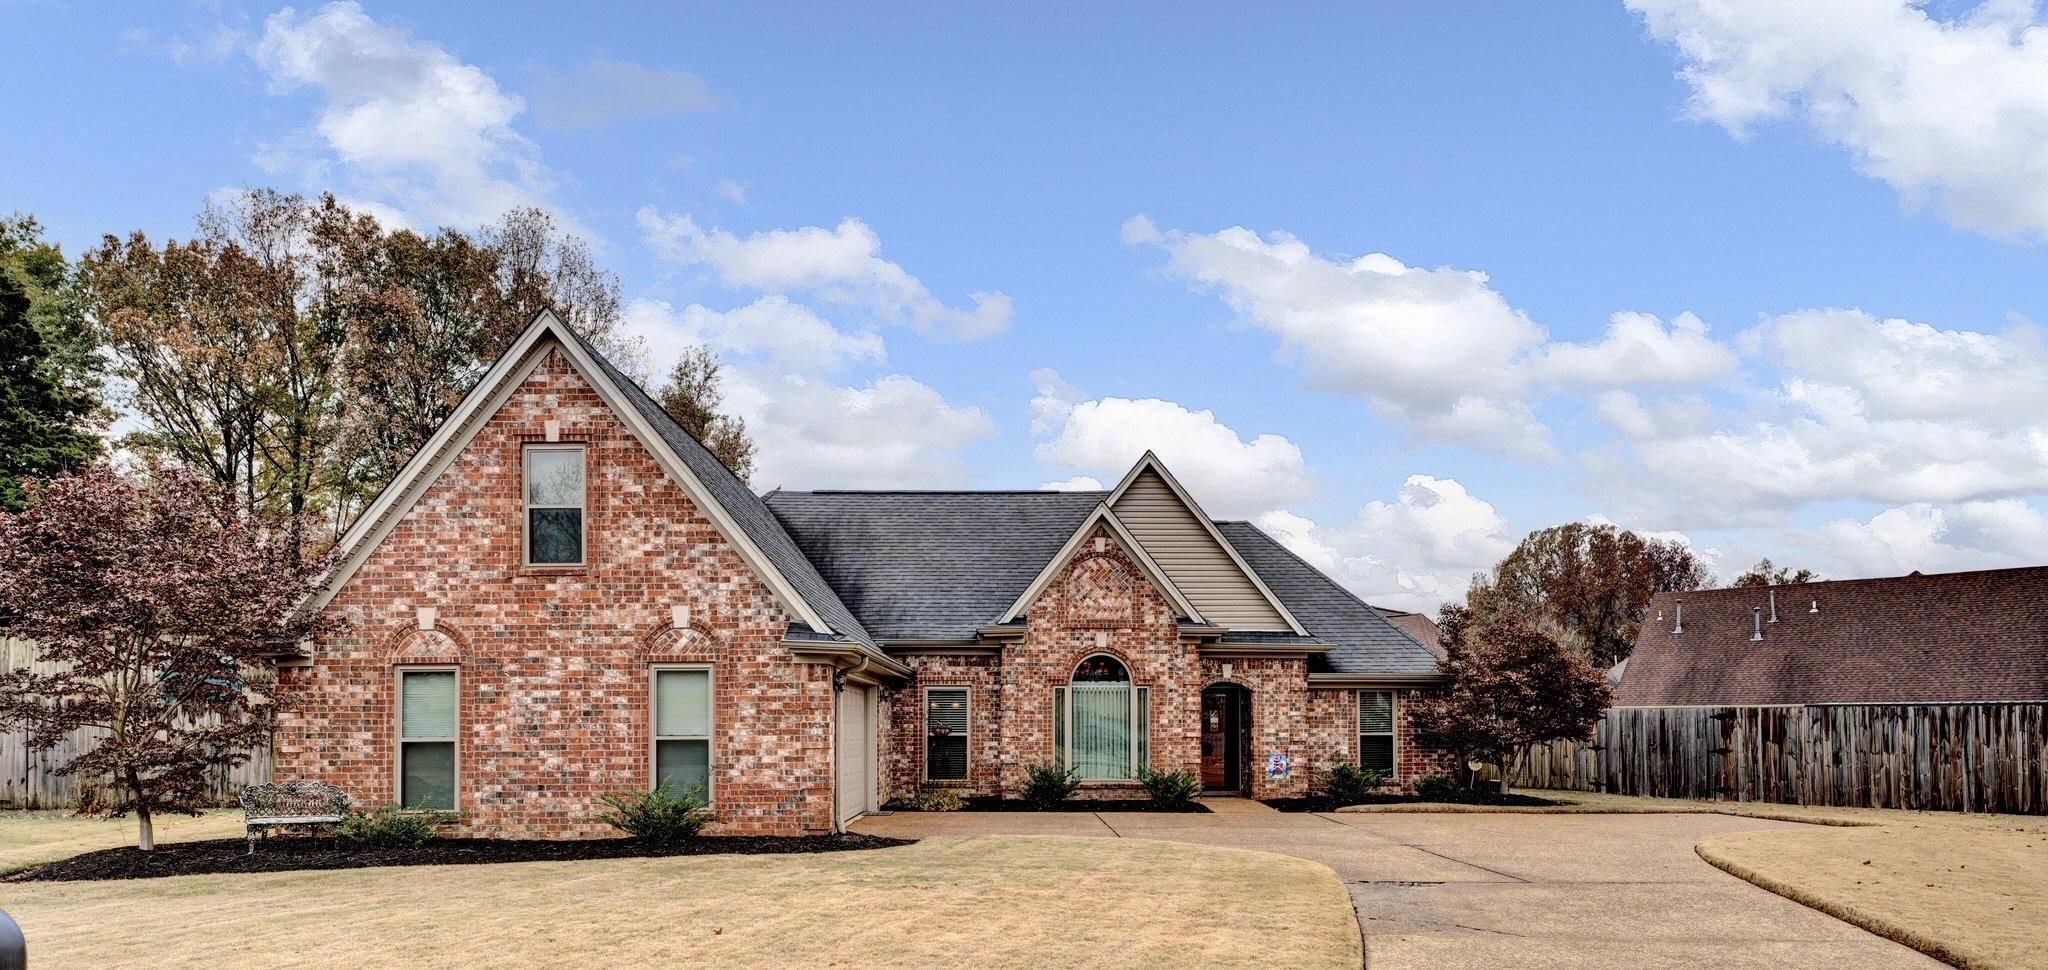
(579,569)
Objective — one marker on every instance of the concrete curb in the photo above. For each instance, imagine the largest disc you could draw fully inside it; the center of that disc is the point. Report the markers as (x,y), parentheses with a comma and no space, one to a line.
(1847,914)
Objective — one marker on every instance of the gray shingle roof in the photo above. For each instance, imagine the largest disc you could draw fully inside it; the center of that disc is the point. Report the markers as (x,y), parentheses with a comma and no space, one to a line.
(1361,641)
(742,505)
(931,565)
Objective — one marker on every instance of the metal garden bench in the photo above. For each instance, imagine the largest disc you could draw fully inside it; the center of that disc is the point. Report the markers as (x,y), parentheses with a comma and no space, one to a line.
(308,803)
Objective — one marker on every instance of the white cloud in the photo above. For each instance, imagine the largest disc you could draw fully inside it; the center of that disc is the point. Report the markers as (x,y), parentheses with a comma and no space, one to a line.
(409,124)
(1880,410)
(605,92)
(1228,475)
(771,330)
(732,191)
(1413,553)
(1440,349)
(840,265)
(1952,113)
(1078,483)
(893,432)
(1639,349)
(1926,537)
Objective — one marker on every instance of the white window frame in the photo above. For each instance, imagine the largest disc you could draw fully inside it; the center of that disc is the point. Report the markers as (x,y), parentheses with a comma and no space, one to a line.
(526,507)
(1393,733)
(710,737)
(1141,723)
(968,742)
(398,734)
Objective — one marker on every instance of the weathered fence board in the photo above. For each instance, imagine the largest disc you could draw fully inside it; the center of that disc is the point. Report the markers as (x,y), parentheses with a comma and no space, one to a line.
(28,776)
(1957,757)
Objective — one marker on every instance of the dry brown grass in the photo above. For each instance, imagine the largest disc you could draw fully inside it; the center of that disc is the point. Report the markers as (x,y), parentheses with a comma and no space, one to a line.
(33,838)
(986,902)
(1971,890)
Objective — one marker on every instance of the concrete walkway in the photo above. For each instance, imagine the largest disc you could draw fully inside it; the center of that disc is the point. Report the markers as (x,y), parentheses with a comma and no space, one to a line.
(1494,891)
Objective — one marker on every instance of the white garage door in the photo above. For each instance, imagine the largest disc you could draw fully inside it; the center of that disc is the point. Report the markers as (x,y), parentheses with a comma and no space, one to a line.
(856,752)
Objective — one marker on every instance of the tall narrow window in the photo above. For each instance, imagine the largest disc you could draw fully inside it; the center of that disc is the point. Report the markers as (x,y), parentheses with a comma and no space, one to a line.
(554,505)
(682,730)
(426,739)
(945,742)
(1376,730)
(1100,730)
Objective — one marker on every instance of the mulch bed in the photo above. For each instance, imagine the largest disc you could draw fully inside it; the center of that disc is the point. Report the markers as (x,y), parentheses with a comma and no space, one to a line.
(1321,804)
(217,856)
(985,804)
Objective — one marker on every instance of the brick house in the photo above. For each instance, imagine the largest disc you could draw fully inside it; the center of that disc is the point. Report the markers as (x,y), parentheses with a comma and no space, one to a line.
(564,594)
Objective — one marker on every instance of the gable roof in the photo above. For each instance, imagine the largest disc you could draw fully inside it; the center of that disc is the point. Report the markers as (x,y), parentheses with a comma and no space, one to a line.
(1973,636)
(1361,640)
(1103,517)
(930,565)
(733,509)
(1185,543)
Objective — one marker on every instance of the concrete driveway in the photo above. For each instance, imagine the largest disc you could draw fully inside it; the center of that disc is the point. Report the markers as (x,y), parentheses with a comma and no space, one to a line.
(1492,891)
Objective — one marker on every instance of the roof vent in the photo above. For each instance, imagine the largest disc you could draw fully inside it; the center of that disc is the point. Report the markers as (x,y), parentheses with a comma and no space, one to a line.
(1678,617)
(1815,608)
(1774,606)
(1757,614)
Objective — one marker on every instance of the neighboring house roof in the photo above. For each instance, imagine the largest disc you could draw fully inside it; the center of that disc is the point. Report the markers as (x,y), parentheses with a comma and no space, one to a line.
(1361,641)
(1975,636)
(930,565)
(1418,626)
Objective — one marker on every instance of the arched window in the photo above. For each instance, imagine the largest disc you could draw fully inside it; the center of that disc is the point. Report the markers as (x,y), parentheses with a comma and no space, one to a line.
(1100,721)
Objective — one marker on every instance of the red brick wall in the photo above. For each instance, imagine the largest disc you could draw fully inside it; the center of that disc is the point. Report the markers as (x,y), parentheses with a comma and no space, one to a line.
(1333,726)
(1279,716)
(902,767)
(554,663)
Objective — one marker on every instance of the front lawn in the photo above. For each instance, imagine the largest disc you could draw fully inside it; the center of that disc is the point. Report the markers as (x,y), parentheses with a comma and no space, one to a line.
(33,838)
(986,902)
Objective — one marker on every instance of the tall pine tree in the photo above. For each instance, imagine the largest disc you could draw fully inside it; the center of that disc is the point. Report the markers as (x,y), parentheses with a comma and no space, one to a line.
(49,371)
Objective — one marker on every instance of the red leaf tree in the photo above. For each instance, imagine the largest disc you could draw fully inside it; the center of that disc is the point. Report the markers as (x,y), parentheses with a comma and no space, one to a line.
(159,604)
(1510,686)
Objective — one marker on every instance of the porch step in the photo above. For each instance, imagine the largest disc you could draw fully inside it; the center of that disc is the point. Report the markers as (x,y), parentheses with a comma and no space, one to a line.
(1235,805)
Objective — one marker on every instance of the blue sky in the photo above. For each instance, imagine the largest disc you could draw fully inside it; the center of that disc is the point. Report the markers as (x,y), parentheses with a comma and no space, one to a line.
(964,245)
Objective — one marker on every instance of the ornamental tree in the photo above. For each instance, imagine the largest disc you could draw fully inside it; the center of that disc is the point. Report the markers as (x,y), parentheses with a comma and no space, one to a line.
(1510,686)
(159,601)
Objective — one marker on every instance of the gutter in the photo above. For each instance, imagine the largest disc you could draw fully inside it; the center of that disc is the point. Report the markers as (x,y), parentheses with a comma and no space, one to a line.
(1374,680)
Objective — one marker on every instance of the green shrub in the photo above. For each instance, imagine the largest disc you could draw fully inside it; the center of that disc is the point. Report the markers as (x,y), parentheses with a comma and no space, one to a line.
(931,801)
(658,817)
(1170,787)
(1441,788)
(389,827)
(1048,786)
(1348,784)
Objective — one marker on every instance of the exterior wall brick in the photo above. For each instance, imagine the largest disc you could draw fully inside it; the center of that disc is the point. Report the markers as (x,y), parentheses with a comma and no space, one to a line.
(554,662)
(1333,723)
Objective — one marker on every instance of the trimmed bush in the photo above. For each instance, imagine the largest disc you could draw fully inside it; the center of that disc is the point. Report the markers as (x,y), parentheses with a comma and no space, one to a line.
(1170,787)
(1441,788)
(931,801)
(389,827)
(1048,786)
(1348,784)
(658,817)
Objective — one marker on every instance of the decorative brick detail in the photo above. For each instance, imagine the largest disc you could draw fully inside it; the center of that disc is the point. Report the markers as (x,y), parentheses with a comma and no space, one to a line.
(1100,591)
(553,664)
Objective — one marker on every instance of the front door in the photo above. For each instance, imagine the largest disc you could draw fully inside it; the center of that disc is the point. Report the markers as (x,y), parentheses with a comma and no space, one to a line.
(1222,738)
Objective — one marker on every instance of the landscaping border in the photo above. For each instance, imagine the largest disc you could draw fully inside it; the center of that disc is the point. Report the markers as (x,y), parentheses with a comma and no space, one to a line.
(1847,914)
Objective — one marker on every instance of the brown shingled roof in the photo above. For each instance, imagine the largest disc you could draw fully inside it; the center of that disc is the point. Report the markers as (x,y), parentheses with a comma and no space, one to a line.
(1975,636)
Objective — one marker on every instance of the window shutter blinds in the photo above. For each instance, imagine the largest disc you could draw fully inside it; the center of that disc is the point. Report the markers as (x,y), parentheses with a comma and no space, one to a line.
(1375,712)
(429,704)
(945,716)
(682,701)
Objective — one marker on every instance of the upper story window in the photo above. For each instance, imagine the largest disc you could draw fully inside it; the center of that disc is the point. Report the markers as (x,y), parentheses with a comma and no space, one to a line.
(554,505)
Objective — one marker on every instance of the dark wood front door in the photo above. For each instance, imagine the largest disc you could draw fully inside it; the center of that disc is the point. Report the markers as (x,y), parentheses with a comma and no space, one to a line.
(1222,738)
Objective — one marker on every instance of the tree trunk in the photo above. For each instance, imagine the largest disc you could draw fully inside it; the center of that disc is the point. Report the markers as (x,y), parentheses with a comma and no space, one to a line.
(145,834)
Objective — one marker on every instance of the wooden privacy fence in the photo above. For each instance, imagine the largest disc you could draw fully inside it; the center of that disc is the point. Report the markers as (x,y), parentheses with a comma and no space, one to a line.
(28,776)
(1953,757)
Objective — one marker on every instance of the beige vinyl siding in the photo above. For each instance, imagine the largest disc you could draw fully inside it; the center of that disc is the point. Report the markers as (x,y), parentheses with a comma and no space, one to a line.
(1191,557)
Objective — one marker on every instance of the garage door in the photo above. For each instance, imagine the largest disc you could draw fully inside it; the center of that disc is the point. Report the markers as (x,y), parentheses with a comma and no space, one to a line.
(856,752)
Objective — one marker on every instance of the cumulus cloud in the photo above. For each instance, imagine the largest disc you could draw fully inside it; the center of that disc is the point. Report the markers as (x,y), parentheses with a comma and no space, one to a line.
(1439,349)
(1229,476)
(771,330)
(893,432)
(403,122)
(1888,411)
(1078,483)
(841,265)
(1951,113)
(604,92)
(1926,537)
(1412,553)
